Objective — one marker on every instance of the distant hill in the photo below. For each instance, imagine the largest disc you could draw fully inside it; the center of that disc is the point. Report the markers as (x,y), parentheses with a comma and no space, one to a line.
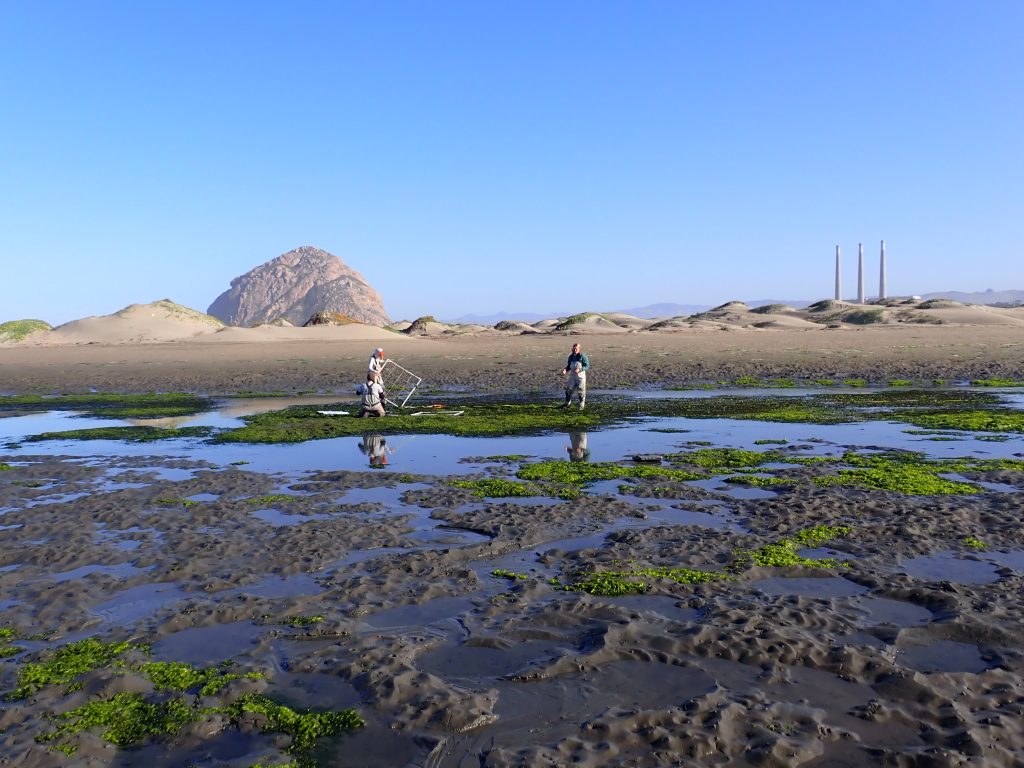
(668,309)
(497,317)
(980,297)
(297,285)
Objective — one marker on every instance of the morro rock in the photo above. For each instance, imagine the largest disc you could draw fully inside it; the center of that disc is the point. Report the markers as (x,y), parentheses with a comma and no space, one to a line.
(297,285)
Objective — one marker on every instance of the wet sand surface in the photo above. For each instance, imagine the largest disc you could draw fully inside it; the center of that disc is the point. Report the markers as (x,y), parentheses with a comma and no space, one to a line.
(508,362)
(911,654)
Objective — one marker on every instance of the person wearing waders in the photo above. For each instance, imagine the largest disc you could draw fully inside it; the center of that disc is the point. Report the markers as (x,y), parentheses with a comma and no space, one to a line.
(576,369)
(376,365)
(372,403)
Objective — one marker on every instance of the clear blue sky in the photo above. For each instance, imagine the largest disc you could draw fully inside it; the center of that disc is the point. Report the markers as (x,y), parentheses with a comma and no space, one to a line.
(479,156)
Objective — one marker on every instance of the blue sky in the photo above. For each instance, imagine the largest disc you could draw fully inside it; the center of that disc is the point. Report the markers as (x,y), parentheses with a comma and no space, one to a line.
(471,157)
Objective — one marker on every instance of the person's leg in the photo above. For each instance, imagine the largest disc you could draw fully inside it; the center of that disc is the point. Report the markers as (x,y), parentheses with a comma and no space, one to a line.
(568,395)
(582,390)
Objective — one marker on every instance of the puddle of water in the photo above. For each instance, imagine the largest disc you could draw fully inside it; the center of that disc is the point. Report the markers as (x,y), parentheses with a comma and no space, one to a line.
(277,518)
(666,513)
(716,485)
(943,656)
(208,645)
(883,610)
(9,568)
(203,497)
(459,662)
(362,555)
(554,706)
(121,570)
(130,605)
(1013,559)
(944,566)
(312,691)
(826,587)
(666,607)
(420,615)
(281,586)
(444,536)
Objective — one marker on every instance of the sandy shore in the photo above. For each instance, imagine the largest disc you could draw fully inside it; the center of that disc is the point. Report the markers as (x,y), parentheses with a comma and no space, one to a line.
(524,362)
(910,655)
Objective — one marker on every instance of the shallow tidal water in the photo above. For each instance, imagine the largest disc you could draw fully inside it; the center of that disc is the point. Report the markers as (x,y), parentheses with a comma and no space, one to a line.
(450,665)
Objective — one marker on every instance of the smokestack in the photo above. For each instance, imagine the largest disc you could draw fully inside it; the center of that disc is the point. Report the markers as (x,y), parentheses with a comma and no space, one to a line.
(881,273)
(839,282)
(860,273)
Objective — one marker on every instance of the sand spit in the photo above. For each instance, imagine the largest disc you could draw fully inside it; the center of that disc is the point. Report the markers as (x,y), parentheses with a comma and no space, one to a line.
(908,655)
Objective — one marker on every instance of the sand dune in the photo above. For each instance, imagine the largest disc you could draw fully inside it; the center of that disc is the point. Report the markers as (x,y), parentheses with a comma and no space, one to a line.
(139,323)
(167,322)
(272,333)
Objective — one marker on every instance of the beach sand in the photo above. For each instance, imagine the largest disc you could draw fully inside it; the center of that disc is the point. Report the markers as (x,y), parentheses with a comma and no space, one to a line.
(910,655)
(333,359)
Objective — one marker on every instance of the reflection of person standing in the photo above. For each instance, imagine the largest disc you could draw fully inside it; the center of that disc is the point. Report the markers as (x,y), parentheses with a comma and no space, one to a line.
(578,450)
(376,447)
(376,365)
(576,368)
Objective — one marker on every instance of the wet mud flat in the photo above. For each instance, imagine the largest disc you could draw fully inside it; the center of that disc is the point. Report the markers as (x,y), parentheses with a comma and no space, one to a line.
(735,609)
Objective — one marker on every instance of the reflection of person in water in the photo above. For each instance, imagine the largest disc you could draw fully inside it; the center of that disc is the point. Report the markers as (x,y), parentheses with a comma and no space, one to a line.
(578,450)
(376,447)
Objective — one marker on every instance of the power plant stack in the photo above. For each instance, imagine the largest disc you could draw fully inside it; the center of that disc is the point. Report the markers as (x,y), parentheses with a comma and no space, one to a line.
(860,273)
(881,273)
(839,281)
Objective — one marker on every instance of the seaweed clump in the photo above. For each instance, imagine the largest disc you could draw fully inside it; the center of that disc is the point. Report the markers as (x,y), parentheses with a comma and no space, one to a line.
(785,553)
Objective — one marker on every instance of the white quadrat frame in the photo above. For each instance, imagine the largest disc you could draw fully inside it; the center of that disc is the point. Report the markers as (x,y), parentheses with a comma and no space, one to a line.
(399,383)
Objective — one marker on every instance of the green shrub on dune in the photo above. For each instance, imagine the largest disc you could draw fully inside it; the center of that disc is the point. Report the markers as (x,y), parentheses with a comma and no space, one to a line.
(16,330)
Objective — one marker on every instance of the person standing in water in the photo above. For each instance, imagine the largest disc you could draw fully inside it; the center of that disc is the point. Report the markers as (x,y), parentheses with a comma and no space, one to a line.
(576,369)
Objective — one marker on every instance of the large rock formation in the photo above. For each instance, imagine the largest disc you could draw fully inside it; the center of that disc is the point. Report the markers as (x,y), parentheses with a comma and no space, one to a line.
(296,286)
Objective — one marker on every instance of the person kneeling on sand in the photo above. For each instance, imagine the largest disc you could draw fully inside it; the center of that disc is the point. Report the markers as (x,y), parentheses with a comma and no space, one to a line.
(576,368)
(372,403)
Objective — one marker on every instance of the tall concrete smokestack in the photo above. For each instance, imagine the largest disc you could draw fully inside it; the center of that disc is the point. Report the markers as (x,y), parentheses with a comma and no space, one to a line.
(881,273)
(860,273)
(839,282)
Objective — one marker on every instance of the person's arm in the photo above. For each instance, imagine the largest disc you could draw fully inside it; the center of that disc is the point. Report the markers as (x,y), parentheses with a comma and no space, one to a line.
(585,360)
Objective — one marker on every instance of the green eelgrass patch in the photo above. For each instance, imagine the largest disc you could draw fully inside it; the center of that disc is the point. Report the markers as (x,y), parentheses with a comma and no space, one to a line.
(302,621)
(997,383)
(906,473)
(113,405)
(785,553)
(635,581)
(127,434)
(501,573)
(5,467)
(583,473)
(486,418)
(970,420)
(725,458)
(273,498)
(127,719)
(67,663)
(496,488)
(304,728)
(974,542)
(176,676)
